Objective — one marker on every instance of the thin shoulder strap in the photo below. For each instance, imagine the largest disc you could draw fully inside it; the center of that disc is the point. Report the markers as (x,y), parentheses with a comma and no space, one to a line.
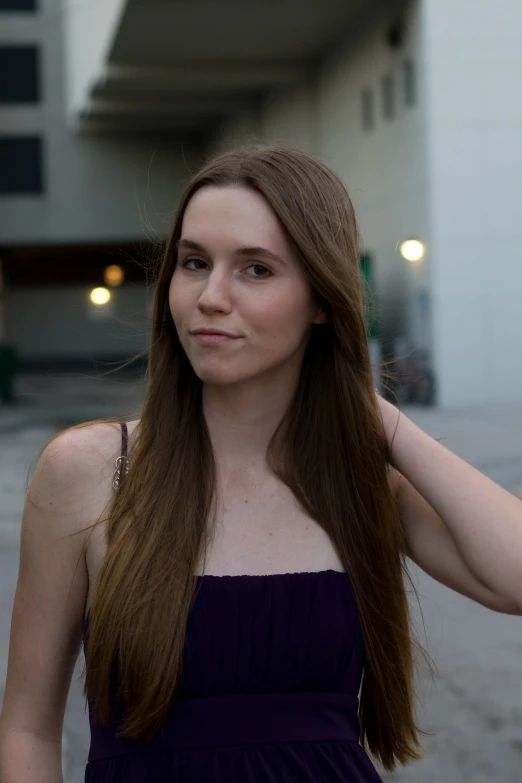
(123,461)
(124,439)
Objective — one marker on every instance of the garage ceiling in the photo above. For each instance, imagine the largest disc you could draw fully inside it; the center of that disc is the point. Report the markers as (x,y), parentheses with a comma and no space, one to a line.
(184,65)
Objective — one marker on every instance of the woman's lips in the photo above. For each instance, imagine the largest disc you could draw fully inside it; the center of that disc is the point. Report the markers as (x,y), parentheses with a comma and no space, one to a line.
(213,338)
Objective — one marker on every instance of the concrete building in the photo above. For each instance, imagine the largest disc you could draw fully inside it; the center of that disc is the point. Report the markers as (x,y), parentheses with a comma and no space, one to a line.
(72,202)
(414,104)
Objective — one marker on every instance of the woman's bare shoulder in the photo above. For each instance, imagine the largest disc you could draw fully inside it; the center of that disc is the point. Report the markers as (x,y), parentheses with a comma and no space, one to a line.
(87,443)
(76,469)
(81,449)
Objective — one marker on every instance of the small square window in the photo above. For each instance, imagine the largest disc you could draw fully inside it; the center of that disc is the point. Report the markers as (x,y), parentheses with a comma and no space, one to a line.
(21,168)
(367,108)
(410,86)
(17,5)
(19,82)
(388,97)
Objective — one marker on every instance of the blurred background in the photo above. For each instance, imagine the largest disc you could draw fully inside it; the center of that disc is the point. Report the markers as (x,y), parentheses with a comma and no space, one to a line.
(108,106)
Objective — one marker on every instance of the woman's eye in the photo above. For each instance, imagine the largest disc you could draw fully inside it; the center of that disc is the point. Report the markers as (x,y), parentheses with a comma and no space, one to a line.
(260,270)
(194,261)
(254,270)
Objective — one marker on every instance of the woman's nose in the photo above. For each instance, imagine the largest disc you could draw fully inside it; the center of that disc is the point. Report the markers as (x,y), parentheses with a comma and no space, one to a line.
(216,293)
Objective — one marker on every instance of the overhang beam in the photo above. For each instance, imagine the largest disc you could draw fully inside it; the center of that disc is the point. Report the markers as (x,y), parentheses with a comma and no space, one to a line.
(203,77)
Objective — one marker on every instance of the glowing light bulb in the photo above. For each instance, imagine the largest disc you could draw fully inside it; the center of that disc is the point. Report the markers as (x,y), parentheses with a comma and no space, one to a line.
(412,250)
(113,275)
(100,296)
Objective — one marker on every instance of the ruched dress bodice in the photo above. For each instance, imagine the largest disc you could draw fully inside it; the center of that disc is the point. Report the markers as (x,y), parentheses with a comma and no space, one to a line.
(269,692)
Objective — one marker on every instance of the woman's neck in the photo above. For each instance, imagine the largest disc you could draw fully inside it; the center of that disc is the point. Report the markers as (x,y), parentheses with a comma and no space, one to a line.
(242,418)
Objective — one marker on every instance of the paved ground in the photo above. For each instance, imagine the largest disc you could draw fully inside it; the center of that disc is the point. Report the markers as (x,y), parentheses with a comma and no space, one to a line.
(474,707)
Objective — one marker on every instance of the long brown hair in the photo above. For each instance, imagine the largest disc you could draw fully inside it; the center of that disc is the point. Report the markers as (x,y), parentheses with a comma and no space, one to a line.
(330,450)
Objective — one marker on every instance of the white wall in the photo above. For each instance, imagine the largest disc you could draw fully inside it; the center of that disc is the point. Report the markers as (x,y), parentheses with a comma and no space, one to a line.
(58,322)
(96,188)
(89,31)
(474,69)
(244,127)
(384,170)
(290,118)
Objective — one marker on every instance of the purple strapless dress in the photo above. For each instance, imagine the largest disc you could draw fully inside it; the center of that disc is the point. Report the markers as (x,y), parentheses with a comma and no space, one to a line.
(269,693)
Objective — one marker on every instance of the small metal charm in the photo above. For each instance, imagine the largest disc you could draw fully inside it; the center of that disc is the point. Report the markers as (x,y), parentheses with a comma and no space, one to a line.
(122,468)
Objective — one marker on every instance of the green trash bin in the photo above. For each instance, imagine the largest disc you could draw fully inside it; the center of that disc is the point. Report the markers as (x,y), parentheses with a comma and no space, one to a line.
(8,367)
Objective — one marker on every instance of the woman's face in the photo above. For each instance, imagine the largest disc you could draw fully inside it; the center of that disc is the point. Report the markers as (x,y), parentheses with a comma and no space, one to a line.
(236,272)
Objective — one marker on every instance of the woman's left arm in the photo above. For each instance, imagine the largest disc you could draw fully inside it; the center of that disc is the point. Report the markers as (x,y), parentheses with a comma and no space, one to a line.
(455,517)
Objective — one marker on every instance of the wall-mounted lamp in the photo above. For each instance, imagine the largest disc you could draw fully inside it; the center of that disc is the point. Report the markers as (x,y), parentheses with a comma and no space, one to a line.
(412,250)
(100,296)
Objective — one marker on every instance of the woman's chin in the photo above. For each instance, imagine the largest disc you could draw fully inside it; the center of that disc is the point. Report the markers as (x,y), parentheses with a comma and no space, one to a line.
(217,377)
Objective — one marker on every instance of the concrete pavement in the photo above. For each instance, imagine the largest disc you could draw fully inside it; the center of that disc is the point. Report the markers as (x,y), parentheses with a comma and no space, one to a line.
(474,707)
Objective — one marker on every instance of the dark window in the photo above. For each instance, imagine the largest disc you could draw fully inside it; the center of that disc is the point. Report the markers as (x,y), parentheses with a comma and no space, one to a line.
(368,113)
(395,35)
(17,5)
(19,81)
(410,86)
(388,97)
(21,164)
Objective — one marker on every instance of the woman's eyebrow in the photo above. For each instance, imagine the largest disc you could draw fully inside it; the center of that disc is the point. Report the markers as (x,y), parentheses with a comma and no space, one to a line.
(190,244)
(262,252)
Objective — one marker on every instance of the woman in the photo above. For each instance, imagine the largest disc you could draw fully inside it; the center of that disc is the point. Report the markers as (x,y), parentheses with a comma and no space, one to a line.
(251,560)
